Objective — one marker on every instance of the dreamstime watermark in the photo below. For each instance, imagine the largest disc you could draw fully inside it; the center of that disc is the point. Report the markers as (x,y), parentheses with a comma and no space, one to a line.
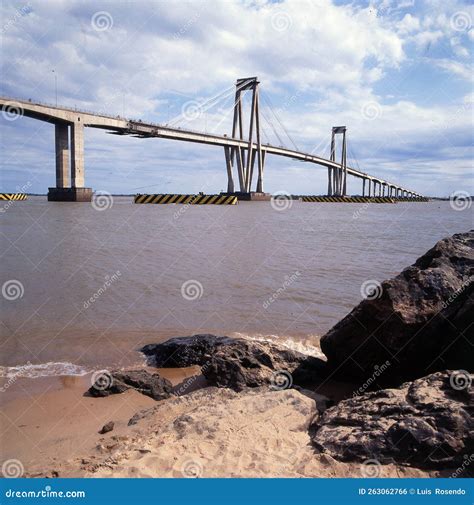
(460,200)
(281,21)
(289,280)
(453,297)
(21,12)
(12,111)
(186,206)
(12,290)
(14,377)
(12,469)
(192,469)
(10,203)
(187,383)
(281,200)
(468,459)
(192,290)
(357,213)
(445,123)
(191,110)
(280,380)
(186,26)
(101,380)
(371,289)
(102,200)
(460,379)
(370,468)
(371,111)
(47,492)
(109,280)
(461,21)
(378,371)
(102,21)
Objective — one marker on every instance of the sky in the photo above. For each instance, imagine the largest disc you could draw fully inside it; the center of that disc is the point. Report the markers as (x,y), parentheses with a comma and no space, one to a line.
(396,73)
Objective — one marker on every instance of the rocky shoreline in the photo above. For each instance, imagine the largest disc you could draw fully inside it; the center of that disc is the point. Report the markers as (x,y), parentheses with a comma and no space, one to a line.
(405,356)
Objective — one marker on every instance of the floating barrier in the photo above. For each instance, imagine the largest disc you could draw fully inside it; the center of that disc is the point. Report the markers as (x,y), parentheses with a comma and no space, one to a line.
(414,199)
(13,196)
(199,199)
(348,199)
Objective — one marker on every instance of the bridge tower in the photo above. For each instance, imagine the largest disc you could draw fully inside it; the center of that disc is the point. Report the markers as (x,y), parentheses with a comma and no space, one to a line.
(337,177)
(244,158)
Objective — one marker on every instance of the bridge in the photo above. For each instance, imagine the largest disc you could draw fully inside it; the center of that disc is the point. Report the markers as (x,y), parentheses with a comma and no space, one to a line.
(241,151)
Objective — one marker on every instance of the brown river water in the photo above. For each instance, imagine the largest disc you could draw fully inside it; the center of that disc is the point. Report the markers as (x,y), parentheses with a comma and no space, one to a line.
(85,288)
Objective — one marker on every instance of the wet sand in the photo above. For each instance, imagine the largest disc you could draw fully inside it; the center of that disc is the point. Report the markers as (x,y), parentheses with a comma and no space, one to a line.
(208,432)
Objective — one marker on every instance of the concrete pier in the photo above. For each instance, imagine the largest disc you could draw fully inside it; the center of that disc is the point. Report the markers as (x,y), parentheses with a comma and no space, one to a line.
(69,164)
(62,155)
(77,161)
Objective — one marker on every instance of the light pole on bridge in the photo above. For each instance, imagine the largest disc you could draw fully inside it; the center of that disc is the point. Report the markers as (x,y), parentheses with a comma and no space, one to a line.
(55,84)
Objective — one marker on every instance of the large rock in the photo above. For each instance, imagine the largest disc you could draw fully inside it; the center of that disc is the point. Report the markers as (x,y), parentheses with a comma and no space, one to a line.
(183,351)
(422,322)
(237,362)
(425,423)
(117,381)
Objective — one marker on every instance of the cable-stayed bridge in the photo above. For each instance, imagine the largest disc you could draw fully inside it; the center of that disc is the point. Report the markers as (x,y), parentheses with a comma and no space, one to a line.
(245,153)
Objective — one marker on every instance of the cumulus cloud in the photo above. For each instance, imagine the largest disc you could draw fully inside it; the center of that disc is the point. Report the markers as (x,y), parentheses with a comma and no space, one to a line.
(320,62)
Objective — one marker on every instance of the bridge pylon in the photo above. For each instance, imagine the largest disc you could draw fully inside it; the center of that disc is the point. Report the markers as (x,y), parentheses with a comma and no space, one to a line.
(337,177)
(244,158)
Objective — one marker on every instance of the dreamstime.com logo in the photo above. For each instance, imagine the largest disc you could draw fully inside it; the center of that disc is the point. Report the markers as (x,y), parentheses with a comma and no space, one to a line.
(192,469)
(192,290)
(101,380)
(102,200)
(453,297)
(378,371)
(460,379)
(371,289)
(461,21)
(12,290)
(289,280)
(468,460)
(280,380)
(14,377)
(370,468)
(460,200)
(371,111)
(102,21)
(109,280)
(281,200)
(12,111)
(281,21)
(47,492)
(19,189)
(12,469)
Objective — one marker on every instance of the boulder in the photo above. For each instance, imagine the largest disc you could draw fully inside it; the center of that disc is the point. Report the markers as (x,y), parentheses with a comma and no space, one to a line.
(183,351)
(238,362)
(118,381)
(425,423)
(420,323)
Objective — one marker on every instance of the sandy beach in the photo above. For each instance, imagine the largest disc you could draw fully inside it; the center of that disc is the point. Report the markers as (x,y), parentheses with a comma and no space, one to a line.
(208,432)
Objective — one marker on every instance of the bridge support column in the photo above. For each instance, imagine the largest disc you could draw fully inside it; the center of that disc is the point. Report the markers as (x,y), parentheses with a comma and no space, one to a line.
(338,184)
(61,134)
(246,163)
(230,179)
(363,187)
(77,192)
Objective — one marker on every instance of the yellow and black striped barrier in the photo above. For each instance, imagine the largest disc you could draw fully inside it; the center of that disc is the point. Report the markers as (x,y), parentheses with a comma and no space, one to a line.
(13,196)
(414,199)
(199,199)
(348,199)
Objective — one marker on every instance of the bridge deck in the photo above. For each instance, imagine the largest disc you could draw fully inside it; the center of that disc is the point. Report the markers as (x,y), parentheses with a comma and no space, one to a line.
(121,126)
